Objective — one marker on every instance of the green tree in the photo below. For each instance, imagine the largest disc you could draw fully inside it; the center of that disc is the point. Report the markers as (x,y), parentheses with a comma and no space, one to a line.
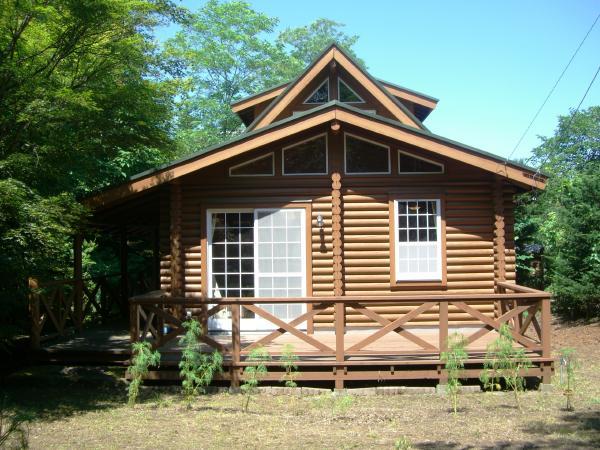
(305,43)
(82,106)
(565,218)
(223,54)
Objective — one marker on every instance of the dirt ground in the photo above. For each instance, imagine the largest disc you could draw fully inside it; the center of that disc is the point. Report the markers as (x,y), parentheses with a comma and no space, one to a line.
(85,408)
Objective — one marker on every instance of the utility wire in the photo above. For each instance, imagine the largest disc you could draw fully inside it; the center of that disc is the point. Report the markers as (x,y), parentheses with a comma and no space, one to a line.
(573,114)
(553,88)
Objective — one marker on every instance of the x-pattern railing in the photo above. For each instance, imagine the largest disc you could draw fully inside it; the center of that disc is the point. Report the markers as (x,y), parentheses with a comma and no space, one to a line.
(522,309)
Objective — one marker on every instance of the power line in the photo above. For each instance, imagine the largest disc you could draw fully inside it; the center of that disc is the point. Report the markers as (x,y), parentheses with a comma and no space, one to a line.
(553,88)
(573,114)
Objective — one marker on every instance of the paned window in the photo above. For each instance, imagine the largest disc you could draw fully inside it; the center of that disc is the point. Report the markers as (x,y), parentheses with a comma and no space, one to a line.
(362,156)
(306,158)
(347,94)
(319,95)
(408,163)
(418,241)
(263,166)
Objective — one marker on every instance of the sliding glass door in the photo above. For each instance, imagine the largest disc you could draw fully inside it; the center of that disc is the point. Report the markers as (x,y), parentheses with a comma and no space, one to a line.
(256,253)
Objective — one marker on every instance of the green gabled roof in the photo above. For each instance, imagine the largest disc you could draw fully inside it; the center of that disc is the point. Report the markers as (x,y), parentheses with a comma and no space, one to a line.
(372,79)
(300,116)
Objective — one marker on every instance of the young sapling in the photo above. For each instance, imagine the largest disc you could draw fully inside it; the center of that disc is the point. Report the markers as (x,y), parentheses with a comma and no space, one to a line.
(143,357)
(289,362)
(455,359)
(254,373)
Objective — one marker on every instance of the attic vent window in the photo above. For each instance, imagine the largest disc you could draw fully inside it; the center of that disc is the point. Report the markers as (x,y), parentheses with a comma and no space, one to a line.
(319,95)
(411,164)
(362,156)
(306,158)
(347,94)
(263,166)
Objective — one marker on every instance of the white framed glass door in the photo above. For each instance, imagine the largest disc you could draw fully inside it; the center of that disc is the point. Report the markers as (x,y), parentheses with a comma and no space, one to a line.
(256,253)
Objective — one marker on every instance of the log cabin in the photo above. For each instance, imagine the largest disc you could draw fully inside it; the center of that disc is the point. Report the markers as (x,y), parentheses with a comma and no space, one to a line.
(338,223)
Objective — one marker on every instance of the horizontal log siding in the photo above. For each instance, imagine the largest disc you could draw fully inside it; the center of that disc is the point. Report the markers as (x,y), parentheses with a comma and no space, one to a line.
(191,243)
(164,241)
(469,254)
(469,217)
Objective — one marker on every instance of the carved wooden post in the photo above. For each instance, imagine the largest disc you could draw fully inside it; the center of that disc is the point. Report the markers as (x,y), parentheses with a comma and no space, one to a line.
(34,311)
(134,322)
(78,281)
(177,271)
(338,282)
(499,240)
(235,346)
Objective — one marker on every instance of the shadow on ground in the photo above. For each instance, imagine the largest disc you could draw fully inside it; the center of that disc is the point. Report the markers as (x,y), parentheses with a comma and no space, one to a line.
(573,431)
(40,393)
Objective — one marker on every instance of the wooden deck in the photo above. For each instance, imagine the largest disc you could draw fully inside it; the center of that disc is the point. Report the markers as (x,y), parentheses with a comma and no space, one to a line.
(390,348)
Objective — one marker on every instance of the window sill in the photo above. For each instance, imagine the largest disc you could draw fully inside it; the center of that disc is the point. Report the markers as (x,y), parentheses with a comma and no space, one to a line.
(417,285)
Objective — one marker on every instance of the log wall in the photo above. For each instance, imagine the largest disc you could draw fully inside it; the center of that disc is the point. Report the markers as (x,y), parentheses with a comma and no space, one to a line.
(468,208)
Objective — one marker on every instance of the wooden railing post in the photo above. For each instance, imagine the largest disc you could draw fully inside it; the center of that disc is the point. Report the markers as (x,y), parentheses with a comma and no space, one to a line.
(34,311)
(78,281)
(235,346)
(134,322)
(340,329)
(443,337)
(546,344)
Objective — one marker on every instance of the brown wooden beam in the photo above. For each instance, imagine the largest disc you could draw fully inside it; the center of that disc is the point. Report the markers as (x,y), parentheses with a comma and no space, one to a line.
(177,271)
(123,265)
(78,278)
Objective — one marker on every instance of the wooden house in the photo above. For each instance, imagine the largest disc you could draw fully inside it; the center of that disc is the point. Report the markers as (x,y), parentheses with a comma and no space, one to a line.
(339,223)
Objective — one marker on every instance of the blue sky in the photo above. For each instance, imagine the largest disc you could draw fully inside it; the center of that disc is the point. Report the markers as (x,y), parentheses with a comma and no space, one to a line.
(491,64)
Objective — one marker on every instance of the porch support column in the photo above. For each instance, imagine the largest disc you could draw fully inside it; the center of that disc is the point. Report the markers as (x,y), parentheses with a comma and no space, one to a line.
(338,281)
(499,231)
(123,266)
(78,280)
(175,239)
(499,241)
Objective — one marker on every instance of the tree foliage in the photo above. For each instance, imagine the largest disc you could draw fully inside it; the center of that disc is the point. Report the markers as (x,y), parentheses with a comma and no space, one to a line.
(565,218)
(227,51)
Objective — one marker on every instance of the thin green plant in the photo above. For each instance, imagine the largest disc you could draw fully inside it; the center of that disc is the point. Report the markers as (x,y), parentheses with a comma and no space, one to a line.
(143,357)
(254,373)
(289,361)
(402,443)
(503,360)
(13,429)
(454,359)
(197,369)
(568,360)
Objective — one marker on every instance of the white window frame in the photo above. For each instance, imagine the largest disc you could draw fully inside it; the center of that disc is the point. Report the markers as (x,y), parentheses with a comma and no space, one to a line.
(379,144)
(442,166)
(416,276)
(340,80)
(257,323)
(306,102)
(302,142)
(271,155)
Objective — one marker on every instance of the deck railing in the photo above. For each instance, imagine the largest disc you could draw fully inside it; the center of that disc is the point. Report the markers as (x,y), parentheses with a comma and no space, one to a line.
(57,306)
(525,310)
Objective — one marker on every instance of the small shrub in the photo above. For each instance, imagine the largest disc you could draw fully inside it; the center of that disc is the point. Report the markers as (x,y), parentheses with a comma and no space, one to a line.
(288,362)
(255,373)
(197,369)
(503,360)
(455,359)
(142,358)
(568,360)
(341,404)
(402,443)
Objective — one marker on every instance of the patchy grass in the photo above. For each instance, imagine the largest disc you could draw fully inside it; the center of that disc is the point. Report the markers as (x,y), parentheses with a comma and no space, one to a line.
(86,408)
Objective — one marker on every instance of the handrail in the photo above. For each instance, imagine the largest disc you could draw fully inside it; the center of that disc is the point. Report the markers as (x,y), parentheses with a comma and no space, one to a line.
(522,289)
(168,300)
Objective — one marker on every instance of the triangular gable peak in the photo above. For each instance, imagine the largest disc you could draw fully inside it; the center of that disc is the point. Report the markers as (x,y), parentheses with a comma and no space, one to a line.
(334,64)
